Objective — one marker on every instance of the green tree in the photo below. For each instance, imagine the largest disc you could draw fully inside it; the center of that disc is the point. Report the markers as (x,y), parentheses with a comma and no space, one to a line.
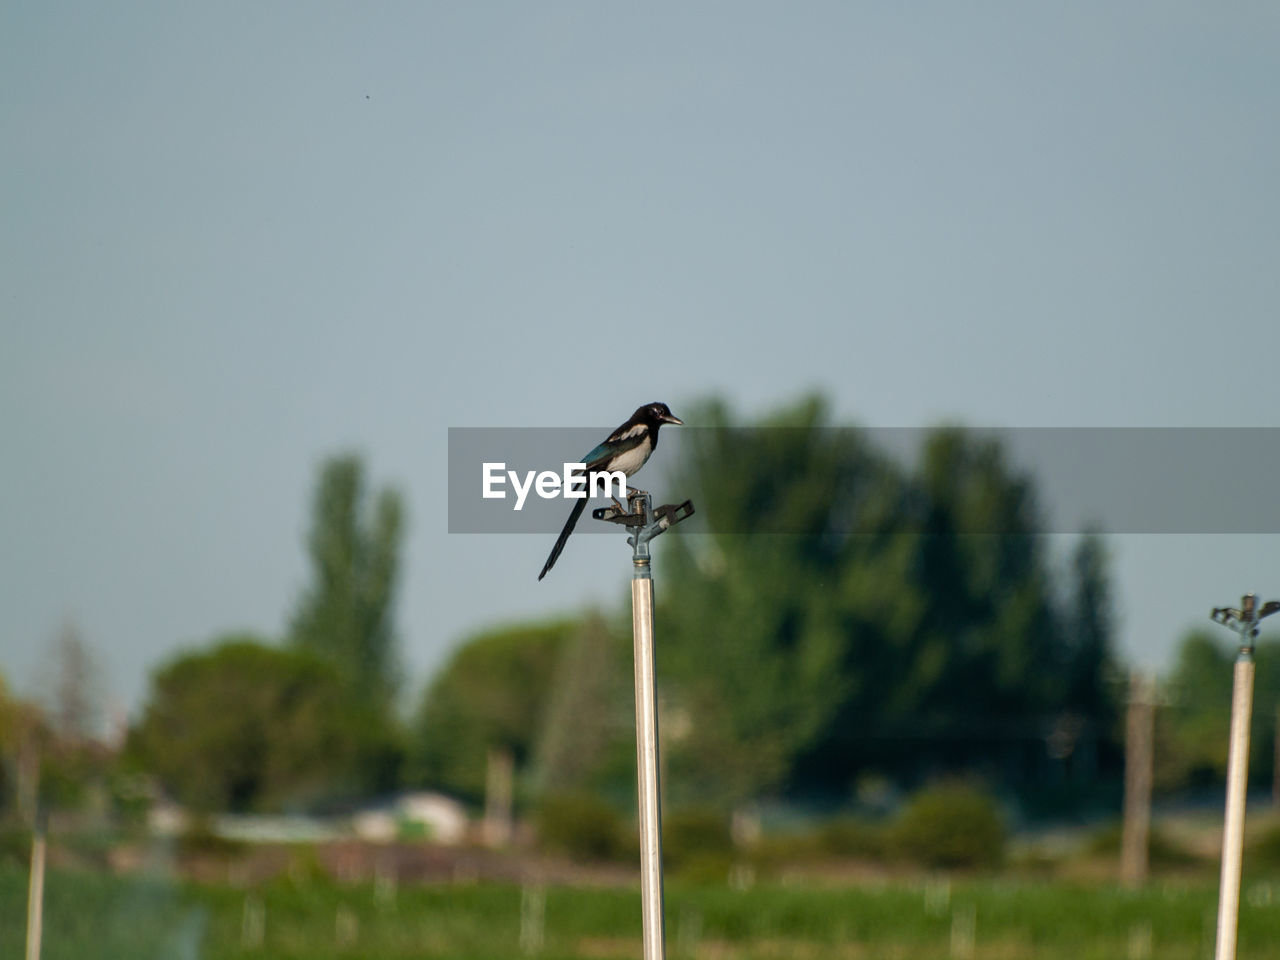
(1089,714)
(1090,655)
(944,607)
(72,697)
(25,736)
(986,586)
(1192,732)
(347,616)
(586,738)
(754,632)
(847,614)
(493,692)
(246,726)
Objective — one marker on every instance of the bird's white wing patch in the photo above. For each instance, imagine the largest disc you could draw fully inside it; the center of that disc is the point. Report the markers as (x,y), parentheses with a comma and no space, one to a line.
(638,430)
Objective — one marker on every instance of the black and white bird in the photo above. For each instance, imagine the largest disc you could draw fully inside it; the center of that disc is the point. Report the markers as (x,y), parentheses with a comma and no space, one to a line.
(626,449)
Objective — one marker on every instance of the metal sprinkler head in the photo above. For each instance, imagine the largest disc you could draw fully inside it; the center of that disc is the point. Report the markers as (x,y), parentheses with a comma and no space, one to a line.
(1244,619)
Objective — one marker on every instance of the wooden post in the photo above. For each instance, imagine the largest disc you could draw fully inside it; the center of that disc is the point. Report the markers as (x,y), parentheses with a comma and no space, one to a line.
(1139,734)
(497,797)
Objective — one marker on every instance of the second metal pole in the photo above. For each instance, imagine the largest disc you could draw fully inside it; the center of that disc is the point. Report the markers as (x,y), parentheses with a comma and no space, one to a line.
(1237,787)
(647,760)
(35,893)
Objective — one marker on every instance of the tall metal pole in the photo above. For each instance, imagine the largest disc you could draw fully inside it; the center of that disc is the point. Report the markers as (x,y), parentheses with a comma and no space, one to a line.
(35,892)
(647,758)
(1243,621)
(645,523)
(1237,786)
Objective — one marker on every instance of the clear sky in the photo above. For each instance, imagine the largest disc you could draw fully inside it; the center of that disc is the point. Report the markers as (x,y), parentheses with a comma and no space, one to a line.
(236,238)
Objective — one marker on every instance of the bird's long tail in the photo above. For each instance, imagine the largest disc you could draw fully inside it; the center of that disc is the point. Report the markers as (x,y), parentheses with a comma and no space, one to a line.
(569,524)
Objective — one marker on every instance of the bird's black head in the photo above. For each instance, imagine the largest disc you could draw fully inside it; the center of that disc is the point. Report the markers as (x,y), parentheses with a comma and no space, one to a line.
(656,414)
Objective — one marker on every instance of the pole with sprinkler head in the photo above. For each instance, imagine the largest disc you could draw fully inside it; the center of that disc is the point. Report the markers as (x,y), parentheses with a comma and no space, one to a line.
(1243,621)
(646,523)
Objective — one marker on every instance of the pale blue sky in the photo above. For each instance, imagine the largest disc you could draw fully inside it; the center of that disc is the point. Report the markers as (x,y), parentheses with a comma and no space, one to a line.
(236,238)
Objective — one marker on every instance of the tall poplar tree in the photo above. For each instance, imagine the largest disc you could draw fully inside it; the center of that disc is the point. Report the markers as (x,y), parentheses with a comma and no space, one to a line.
(347,614)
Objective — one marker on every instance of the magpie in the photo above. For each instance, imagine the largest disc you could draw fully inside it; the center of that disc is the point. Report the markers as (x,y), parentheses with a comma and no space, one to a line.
(626,449)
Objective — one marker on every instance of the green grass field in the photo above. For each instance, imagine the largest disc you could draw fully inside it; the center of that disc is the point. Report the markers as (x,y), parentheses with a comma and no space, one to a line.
(98,916)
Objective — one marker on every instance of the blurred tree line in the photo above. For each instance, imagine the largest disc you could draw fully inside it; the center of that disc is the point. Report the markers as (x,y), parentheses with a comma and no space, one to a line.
(850,626)
(847,620)
(248,725)
(851,623)
(907,623)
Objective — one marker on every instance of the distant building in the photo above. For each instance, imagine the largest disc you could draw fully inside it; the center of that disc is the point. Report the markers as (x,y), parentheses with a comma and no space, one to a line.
(431,816)
(286,828)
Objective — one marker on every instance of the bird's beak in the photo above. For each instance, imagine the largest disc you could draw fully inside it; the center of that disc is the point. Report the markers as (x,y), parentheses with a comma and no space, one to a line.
(672,418)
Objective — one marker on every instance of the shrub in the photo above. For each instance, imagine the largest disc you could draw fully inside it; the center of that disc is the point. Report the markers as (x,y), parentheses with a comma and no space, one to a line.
(850,837)
(305,867)
(696,834)
(1264,853)
(582,826)
(953,825)
(704,869)
(843,838)
(15,846)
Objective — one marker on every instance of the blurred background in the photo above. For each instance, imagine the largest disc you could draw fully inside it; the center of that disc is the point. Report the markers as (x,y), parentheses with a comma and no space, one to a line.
(257,260)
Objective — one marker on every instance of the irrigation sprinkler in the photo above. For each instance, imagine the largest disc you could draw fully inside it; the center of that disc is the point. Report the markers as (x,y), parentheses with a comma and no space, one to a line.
(645,523)
(1243,621)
